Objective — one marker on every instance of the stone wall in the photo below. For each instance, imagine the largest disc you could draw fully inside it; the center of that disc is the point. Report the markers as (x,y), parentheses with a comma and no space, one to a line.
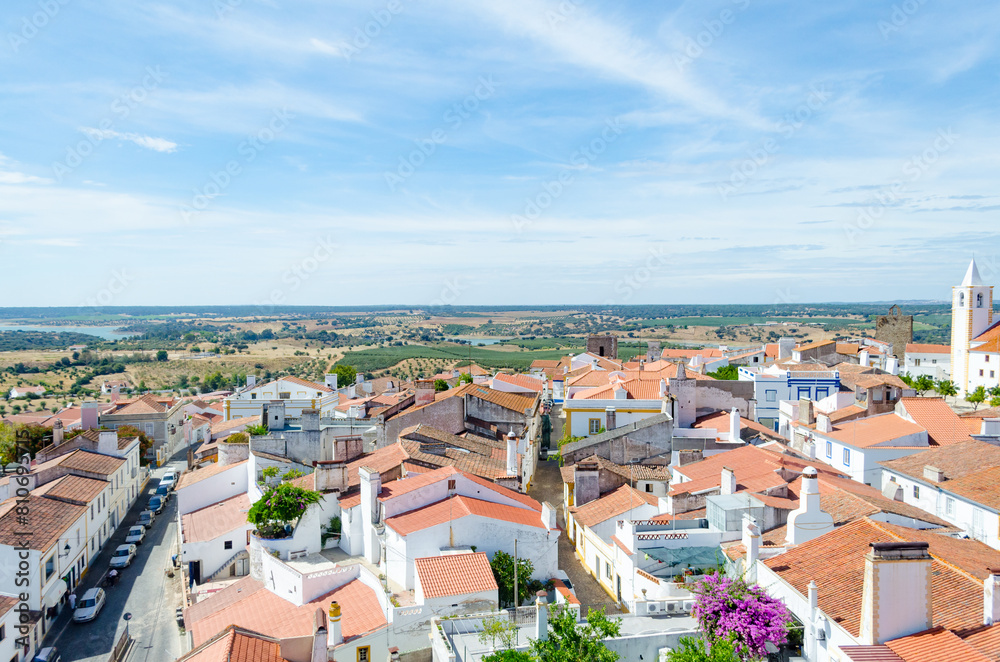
(606,345)
(895,328)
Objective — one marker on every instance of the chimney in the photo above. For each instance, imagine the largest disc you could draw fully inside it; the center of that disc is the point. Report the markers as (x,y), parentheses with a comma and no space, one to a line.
(58,434)
(808,521)
(892,365)
(541,617)
(352,391)
(785,348)
(806,415)
(991,427)
(107,442)
(586,483)
(368,387)
(933,474)
(251,381)
(609,416)
(359,378)
(823,423)
(991,597)
(896,598)
(751,542)
(320,639)
(424,392)
(549,516)
(734,425)
(88,415)
(331,381)
(334,635)
(371,487)
(663,388)
(512,454)
(114,393)
(309,420)
(728,484)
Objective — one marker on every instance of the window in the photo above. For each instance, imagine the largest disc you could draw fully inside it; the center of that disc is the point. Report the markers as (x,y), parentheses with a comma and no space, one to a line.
(979,300)
(987,358)
(916,491)
(364,653)
(803,392)
(980,373)
(649,487)
(949,506)
(822,393)
(916,362)
(149,429)
(933,361)
(991,373)
(228,544)
(961,299)
(607,570)
(451,484)
(771,396)
(50,566)
(285,395)
(253,396)
(595,425)
(829,449)
(3,632)
(847,457)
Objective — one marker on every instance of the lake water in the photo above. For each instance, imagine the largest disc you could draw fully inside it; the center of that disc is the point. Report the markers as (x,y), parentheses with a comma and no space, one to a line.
(480,341)
(104,332)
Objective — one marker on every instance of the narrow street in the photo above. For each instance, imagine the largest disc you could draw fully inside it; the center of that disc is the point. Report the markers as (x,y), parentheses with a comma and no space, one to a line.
(144,591)
(547,485)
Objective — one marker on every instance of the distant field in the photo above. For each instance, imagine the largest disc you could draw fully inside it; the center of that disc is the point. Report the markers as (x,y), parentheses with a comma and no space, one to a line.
(383,358)
(575,344)
(736,321)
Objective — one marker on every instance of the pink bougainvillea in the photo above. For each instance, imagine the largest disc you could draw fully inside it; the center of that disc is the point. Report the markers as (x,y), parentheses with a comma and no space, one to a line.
(732,609)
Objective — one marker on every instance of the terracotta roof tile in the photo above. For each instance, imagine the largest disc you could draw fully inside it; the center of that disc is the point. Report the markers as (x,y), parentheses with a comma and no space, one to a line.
(942,423)
(212,521)
(455,574)
(235,644)
(524,381)
(73,489)
(193,476)
(936,645)
(223,426)
(955,460)
(47,520)
(923,348)
(457,507)
(874,431)
(613,504)
(95,463)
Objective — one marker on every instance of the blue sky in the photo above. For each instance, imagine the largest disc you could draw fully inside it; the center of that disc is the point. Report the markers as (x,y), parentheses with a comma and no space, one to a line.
(485,152)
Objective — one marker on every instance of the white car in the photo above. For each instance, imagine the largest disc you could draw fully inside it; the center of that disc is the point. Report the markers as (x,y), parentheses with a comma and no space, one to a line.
(169,479)
(90,606)
(136,534)
(122,558)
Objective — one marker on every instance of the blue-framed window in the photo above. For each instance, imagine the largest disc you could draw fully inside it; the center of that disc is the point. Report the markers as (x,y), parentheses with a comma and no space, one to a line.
(804,392)
(829,449)
(771,395)
(847,457)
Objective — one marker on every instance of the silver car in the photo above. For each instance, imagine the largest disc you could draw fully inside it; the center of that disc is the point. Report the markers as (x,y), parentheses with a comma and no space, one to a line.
(90,606)
(122,558)
(136,534)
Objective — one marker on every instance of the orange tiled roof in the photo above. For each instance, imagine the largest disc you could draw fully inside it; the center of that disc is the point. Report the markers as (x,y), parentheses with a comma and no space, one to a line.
(236,644)
(957,593)
(146,404)
(992,333)
(222,426)
(873,430)
(457,507)
(719,421)
(73,489)
(613,504)
(212,521)
(922,348)
(524,381)
(935,645)
(455,574)
(47,520)
(943,425)
(95,463)
(955,460)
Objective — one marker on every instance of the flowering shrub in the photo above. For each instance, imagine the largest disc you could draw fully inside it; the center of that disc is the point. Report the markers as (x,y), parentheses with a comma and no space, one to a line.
(732,609)
(280,505)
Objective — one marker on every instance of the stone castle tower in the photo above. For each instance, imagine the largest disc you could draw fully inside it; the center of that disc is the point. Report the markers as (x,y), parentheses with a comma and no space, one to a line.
(971,314)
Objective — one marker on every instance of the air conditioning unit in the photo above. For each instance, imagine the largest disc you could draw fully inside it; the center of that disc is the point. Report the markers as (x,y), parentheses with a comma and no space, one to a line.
(651,607)
(688,605)
(671,607)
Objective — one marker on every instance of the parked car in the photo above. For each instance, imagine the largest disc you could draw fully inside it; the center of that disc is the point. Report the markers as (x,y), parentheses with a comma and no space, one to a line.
(122,558)
(90,606)
(48,654)
(163,491)
(146,518)
(169,479)
(156,504)
(136,534)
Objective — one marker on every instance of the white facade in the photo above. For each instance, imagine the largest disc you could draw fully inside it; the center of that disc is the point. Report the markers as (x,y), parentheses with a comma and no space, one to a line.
(773,385)
(296,394)
(984,369)
(935,365)
(584,418)
(862,464)
(971,315)
(212,489)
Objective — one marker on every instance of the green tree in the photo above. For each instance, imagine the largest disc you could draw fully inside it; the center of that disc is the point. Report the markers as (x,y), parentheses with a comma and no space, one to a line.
(465,378)
(726,372)
(498,627)
(994,402)
(569,641)
(145,443)
(923,383)
(976,397)
(906,379)
(502,564)
(282,505)
(946,387)
(161,355)
(345,374)
(440,385)
(696,650)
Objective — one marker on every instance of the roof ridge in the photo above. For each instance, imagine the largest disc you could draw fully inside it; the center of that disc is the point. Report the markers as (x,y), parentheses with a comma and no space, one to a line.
(934,556)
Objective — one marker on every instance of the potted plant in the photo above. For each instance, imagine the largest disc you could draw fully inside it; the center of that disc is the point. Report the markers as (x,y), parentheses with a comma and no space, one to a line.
(277,512)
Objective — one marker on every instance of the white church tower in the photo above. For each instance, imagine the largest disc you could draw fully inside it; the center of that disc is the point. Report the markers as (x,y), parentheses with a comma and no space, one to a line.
(971,314)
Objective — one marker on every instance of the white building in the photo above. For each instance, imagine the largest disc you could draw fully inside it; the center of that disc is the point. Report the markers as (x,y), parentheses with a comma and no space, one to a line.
(774,384)
(934,361)
(971,327)
(296,394)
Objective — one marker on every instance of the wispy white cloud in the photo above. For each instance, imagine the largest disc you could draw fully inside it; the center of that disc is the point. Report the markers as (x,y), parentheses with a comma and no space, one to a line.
(148,142)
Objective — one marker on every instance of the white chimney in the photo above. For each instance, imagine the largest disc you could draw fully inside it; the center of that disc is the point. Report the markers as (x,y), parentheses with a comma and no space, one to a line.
(334,634)
(251,381)
(863,358)
(107,442)
(728,484)
(549,516)
(351,392)
(933,474)
(892,365)
(331,382)
(896,598)
(663,388)
(991,597)
(808,521)
(734,425)
(610,419)
(371,487)
(511,454)
(751,542)
(823,423)
(58,434)
(541,617)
